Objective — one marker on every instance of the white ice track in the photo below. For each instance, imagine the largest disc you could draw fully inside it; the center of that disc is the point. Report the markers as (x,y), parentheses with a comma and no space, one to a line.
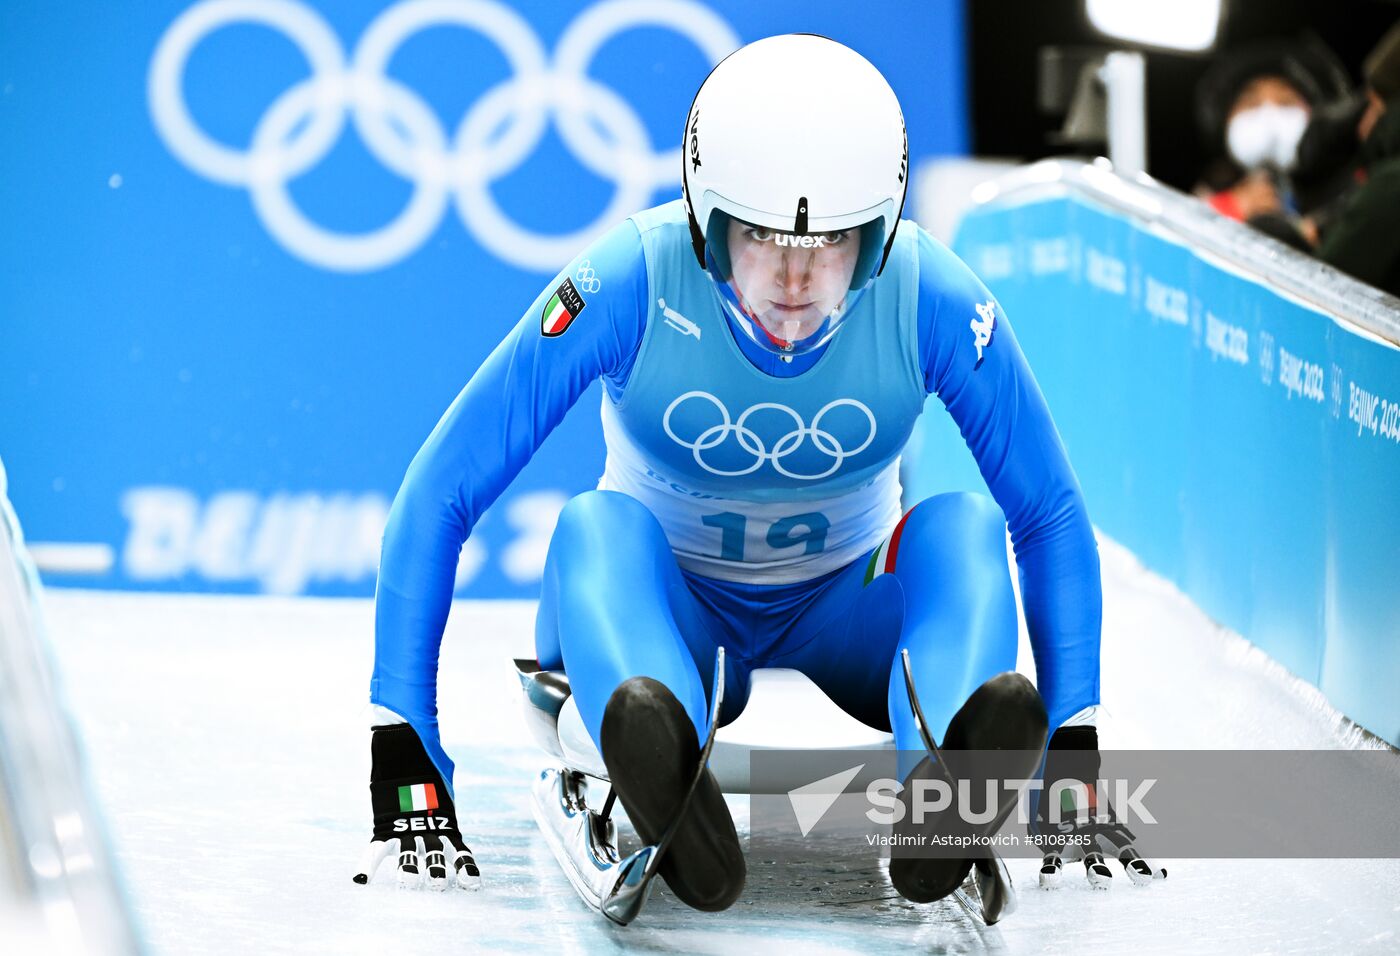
(228,744)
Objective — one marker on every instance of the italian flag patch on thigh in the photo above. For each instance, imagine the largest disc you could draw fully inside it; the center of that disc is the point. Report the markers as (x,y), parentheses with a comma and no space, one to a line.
(883,558)
(420,796)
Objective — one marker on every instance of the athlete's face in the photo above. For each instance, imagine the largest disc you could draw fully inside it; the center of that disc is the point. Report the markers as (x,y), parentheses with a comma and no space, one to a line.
(790,283)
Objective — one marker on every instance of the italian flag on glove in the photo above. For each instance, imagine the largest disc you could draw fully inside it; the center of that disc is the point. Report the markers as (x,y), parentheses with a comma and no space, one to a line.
(413,817)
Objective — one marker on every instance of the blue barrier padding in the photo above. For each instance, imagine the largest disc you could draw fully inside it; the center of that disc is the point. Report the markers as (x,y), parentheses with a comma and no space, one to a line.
(1244,445)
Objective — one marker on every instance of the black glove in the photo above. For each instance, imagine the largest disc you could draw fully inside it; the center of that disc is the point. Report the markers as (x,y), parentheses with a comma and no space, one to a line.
(1073,754)
(413,815)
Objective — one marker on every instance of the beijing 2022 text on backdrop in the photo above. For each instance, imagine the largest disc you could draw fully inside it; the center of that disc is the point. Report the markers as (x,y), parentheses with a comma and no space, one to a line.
(253,248)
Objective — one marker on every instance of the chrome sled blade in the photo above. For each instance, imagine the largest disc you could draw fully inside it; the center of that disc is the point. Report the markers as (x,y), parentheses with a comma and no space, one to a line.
(584,841)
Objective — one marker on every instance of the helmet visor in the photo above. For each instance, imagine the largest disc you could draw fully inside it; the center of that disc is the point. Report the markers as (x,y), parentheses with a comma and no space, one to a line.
(790,292)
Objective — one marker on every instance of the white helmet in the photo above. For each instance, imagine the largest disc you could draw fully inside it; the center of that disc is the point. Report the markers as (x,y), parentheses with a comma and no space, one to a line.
(794,136)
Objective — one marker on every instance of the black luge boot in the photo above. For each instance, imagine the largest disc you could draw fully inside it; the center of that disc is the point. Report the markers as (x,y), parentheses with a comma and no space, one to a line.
(652,754)
(1005,713)
(917,876)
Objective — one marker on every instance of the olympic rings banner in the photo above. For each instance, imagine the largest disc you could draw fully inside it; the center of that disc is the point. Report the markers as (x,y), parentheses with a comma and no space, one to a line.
(253,248)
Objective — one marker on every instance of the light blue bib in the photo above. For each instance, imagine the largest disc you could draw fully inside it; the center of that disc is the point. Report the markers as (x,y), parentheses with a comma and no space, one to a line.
(756,478)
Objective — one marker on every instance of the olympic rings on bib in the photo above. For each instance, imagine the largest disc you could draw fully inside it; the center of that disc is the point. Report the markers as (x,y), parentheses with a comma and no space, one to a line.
(749,440)
(401,131)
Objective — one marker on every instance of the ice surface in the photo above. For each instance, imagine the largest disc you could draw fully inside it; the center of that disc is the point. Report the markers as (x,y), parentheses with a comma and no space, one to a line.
(228,743)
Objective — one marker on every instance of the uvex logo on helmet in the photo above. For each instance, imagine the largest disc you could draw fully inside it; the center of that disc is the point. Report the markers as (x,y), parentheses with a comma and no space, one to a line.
(695,141)
(806,242)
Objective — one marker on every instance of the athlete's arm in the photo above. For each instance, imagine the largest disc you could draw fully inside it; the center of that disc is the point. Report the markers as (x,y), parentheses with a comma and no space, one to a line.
(488,434)
(1005,422)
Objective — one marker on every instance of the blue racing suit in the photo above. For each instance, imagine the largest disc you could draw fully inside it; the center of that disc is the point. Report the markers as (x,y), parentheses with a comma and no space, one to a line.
(754,503)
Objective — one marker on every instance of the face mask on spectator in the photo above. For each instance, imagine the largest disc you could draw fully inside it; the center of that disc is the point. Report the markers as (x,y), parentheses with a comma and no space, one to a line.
(1266,135)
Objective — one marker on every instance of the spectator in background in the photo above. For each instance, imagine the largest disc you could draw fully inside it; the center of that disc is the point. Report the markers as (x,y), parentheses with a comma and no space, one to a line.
(1253,106)
(1365,239)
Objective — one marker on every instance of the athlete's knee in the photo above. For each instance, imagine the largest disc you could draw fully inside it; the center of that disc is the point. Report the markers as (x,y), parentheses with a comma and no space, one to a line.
(603,509)
(601,517)
(974,518)
(965,506)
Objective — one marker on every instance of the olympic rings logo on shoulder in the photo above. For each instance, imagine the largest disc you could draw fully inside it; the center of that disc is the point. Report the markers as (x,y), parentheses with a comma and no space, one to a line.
(749,441)
(587,278)
(401,131)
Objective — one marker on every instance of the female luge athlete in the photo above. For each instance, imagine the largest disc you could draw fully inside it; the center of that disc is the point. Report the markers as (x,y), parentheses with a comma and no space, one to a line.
(766,345)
